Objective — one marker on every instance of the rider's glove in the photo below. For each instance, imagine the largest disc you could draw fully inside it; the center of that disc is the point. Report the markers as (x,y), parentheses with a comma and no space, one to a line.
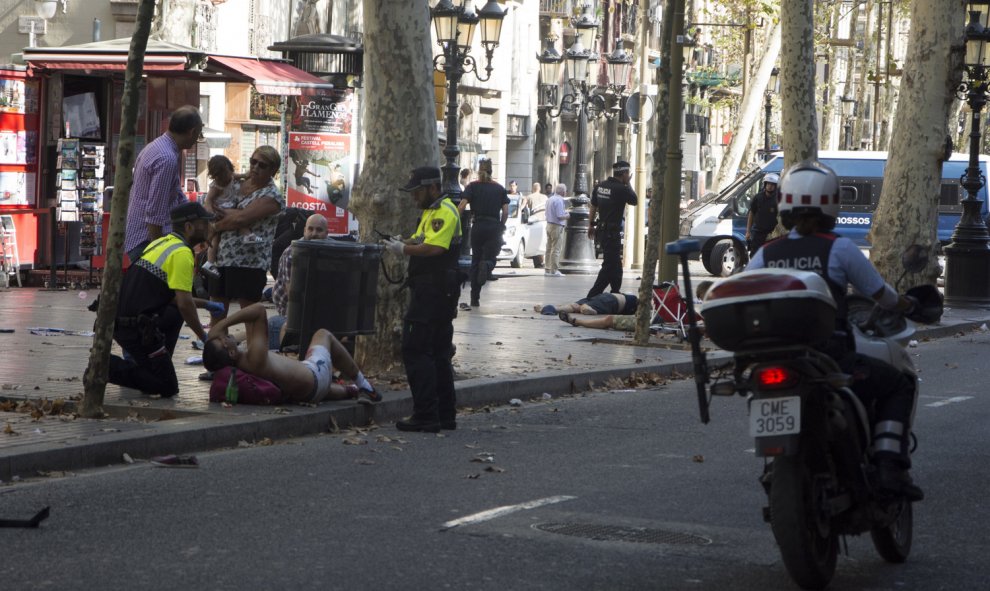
(915,305)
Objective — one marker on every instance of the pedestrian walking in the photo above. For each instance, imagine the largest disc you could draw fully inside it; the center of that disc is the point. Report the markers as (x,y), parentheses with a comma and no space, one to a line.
(155,299)
(557,216)
(434,283)
(489,209)
(157,186)
(608,201)
(762,217)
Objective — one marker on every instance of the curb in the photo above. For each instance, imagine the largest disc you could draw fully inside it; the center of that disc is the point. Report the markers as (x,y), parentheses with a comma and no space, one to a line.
(215,431)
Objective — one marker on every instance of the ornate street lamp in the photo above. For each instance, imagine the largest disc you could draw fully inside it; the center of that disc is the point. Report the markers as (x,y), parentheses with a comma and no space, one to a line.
(848,115)
(768,111)
(455,26)
(967,258)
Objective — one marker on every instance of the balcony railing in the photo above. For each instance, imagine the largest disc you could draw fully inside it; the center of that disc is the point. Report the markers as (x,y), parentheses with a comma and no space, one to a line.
(556,8)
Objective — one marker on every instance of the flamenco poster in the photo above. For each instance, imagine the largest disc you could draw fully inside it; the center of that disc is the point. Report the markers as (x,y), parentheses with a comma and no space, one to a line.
(320,167)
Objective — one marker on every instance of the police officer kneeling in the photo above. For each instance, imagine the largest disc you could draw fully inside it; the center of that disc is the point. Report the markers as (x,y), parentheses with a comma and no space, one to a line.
(428,328)
(155,298)
(809,203)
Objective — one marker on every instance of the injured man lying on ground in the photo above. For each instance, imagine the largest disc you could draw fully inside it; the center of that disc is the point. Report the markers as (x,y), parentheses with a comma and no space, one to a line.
(605,310)
(309,380)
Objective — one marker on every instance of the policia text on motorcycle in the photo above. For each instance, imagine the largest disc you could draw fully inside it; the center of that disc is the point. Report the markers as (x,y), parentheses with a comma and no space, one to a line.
(434,286)
(608,201)
(155,298)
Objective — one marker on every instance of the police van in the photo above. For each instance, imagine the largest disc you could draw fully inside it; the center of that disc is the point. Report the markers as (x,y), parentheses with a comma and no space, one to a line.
(718,220)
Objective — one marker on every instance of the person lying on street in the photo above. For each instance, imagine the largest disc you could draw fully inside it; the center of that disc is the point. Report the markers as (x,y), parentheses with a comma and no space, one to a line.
(310,380)
(603,303)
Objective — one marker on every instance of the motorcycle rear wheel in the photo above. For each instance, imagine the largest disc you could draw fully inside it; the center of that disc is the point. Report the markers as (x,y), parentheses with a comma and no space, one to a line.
(808,545)
(893,542)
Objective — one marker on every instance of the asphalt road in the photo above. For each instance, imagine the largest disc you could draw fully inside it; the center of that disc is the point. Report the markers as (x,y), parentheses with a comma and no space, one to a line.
(678,503)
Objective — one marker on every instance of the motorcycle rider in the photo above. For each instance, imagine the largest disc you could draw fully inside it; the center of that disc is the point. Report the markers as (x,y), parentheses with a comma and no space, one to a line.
(809,205)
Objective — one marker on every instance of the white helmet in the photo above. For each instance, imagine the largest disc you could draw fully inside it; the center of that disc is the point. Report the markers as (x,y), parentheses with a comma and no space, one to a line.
(772,178)
(809,188)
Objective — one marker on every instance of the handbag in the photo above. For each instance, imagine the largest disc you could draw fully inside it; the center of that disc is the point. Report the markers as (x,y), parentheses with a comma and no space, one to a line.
(251,389)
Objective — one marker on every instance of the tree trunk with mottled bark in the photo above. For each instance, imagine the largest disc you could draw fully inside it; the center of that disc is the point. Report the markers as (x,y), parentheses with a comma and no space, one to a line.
(797,81)
(908,209)
(644,312)
(830,105)
(401,134)
(95,378)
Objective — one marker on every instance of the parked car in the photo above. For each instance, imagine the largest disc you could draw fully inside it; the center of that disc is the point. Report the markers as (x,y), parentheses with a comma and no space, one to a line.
(522,239)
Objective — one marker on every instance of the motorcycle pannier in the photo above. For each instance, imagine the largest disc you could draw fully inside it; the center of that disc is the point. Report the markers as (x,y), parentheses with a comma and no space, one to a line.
(769,308)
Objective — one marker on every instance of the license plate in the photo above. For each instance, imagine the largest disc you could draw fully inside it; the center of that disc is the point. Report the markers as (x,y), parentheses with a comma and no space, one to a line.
(775,416)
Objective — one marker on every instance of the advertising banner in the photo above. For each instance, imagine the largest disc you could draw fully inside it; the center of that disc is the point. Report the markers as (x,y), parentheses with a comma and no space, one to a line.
(321,163)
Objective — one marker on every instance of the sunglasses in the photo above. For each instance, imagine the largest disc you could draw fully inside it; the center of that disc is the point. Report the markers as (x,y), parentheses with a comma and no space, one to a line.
(259,163)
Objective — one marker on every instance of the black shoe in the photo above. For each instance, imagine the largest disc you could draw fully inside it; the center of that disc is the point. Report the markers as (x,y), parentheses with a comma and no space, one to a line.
(896,481)
(448,425)
(206,376)
(418,425)
(475,303)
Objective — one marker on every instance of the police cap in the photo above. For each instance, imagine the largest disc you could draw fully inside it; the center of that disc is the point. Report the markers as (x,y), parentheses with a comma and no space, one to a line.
(423,176)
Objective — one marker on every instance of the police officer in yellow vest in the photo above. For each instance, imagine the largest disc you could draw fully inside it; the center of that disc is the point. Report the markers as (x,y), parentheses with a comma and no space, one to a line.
(155,298)
(434,285)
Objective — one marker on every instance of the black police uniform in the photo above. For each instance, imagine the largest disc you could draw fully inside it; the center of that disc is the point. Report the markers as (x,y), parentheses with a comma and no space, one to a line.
(148,321)
(879,385)
(610,197)
(428,330)
(486,199)
(764,208)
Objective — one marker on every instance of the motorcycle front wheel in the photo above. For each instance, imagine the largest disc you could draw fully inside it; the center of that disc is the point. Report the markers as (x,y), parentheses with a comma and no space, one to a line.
(893,542)
(808,545)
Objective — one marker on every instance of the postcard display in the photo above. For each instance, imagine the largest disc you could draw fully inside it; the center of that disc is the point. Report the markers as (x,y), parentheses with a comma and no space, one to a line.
(80,195)
(18,142)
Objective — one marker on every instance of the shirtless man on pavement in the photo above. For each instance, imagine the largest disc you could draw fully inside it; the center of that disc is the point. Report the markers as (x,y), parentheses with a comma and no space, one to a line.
(310,380)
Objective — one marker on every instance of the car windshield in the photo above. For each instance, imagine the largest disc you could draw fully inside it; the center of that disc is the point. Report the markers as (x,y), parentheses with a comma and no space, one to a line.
(513,206)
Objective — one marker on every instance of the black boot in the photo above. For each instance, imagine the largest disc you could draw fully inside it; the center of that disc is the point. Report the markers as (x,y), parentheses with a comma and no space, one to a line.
(415,423)
(892,479)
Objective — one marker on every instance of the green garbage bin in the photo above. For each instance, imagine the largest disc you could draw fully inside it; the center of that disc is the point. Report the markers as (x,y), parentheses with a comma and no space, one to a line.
(371,258)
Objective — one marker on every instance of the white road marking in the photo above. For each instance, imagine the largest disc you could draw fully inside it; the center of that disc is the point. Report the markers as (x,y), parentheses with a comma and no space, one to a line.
(952,400)
(500,511)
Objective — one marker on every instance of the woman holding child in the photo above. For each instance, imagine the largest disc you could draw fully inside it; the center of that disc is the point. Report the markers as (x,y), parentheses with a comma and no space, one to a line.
(247,212)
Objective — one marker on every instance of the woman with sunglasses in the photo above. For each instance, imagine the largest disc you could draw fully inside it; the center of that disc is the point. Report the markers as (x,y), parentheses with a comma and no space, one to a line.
(247,232)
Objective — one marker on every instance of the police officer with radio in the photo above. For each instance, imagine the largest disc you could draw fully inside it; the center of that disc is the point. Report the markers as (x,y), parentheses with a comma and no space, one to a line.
(608,201)
(155,299)
(809,206)
(434,284)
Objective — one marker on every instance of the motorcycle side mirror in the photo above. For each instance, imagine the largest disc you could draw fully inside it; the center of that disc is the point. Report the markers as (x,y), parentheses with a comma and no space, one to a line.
(914,259)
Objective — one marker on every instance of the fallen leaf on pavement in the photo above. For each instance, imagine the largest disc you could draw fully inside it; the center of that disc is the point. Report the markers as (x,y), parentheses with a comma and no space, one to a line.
(355,441)
(364,462)
(473,476)
(494,469)
(699,459)
(10,430)
(266,441)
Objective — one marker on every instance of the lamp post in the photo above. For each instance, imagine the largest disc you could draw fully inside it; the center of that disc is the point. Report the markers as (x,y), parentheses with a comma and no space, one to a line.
(967,257)
(768,111)
(455,26)
(848,114)
(579,251)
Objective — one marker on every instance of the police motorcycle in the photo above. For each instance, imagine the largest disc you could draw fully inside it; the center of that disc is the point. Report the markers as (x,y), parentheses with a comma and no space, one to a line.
(807,423)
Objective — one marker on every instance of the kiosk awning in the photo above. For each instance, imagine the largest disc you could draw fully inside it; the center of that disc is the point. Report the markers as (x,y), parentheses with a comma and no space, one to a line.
(269,77)
(111,56)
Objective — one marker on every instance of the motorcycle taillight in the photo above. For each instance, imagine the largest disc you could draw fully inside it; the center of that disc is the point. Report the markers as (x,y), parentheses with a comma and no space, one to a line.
(775,377)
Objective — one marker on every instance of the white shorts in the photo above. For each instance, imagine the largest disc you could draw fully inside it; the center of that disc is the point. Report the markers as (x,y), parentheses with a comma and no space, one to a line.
(318,362)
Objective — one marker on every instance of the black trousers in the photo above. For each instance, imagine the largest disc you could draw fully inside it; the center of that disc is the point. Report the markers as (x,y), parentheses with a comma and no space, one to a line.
(427,348)
(756,240)
(610,275)
(150,370)
(887,394)
(486,242)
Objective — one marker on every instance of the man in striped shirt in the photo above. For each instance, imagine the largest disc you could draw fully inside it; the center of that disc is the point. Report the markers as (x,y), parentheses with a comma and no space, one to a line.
(157,184)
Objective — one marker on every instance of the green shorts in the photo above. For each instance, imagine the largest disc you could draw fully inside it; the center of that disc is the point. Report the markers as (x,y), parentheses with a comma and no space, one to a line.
(625,322)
